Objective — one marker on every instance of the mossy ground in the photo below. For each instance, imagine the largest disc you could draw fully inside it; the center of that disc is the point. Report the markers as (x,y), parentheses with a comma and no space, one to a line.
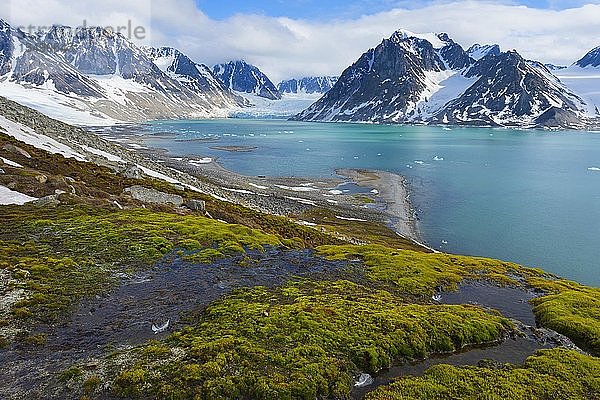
(548,374)
(363,231)
(61,254)
(305,339)
(301,341)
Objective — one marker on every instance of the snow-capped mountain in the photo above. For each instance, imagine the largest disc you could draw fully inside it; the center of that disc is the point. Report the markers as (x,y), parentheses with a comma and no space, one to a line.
(308,85)
(591,59)
(242,77)
(95,76)
(197,77)
(478,51)
(509,90)
(431,79)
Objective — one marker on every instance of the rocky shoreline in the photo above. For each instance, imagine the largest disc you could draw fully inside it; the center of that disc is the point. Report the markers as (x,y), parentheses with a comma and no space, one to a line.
(385,198)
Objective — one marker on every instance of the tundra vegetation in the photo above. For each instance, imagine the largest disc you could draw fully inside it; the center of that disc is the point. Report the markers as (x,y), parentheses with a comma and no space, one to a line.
(305,339)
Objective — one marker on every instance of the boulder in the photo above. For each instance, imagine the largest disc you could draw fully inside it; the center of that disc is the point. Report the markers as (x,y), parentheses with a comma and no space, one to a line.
(153,196)
(47,201)
(196,205)
(16,150)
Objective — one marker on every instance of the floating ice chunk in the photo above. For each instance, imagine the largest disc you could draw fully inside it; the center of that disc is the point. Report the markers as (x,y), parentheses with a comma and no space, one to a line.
(437,158)
(419,162)
(594,169)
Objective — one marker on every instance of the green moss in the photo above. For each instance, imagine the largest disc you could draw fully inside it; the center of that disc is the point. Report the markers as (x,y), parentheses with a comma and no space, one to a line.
(70,374)
(548,374)
(60,255)
(91,384)
(37,339)
(303,340)
(574,313)
(417,273)
(372,232)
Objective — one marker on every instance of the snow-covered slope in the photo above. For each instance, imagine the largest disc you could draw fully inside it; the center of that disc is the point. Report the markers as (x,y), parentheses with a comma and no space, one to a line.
(585,82)
(583,77)
(242,77)
(478,51)
(8,196)
(96,77)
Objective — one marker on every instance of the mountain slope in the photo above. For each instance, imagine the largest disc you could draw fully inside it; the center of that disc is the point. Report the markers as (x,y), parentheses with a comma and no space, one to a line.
(512,91)
(431,79)
(197,77)
(591,59)
(93,76)
(388,82)
(583,77)
(307,85)
(242,77)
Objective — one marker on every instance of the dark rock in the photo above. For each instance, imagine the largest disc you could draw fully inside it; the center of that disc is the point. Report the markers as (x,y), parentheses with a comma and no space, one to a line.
(196,205)
(310,85)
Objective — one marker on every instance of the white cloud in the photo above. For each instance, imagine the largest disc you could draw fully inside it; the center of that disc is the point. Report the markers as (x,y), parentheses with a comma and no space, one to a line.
(286,47)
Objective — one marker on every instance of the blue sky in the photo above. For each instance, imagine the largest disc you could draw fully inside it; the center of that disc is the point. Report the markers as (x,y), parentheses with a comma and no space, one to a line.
(334,9)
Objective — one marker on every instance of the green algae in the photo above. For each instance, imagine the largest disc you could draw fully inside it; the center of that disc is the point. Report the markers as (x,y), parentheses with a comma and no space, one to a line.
(548,374)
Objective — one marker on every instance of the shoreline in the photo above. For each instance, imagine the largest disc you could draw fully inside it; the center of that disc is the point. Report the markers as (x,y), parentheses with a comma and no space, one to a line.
(394,191)
(388,204)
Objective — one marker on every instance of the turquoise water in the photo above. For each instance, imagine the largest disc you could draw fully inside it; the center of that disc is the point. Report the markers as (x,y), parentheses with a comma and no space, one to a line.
(523,196)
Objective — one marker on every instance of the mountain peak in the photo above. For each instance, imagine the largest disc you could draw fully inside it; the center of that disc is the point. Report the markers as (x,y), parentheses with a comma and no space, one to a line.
(4,26)
(247,78)
(403,34)
(478,51)
(308,85)
(592,58)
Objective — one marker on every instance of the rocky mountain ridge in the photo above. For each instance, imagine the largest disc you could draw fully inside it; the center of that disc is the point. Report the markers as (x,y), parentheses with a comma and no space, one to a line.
(95,76)
(432,79)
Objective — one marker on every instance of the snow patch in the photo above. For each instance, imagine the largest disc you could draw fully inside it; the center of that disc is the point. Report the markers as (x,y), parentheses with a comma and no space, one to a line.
(27,135)
(8,196)
(11,163)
